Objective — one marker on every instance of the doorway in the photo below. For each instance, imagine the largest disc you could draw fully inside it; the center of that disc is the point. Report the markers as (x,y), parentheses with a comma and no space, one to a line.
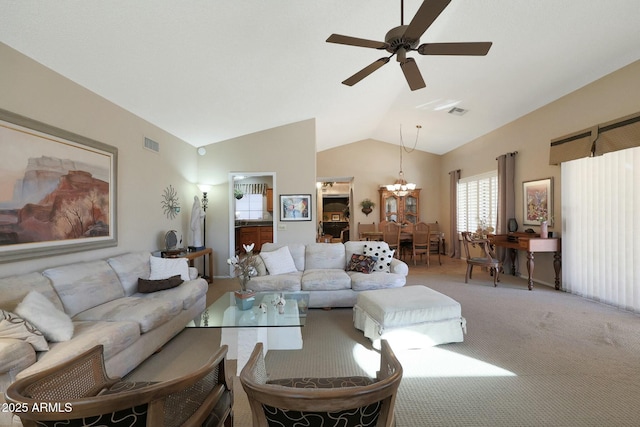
(251,210)
(334,202)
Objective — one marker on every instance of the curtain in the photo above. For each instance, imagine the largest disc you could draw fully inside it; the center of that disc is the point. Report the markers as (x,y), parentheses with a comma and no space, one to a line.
(454,247)
(600,228)
(251,188)
(506,200)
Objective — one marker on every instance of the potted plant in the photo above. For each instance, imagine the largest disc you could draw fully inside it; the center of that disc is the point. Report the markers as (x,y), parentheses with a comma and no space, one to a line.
(367,206)
(245,269)
(238,194)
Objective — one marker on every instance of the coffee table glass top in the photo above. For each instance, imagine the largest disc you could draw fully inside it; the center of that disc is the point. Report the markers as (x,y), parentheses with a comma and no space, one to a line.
(224,313)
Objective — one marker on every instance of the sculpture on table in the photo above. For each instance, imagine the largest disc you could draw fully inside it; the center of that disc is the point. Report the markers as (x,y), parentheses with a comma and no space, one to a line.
(197,216)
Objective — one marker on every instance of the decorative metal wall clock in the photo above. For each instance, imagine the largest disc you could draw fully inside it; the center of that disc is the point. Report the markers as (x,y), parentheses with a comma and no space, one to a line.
(170,202)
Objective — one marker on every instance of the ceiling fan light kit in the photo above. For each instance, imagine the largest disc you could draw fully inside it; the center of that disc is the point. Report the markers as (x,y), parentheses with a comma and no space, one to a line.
(406,38)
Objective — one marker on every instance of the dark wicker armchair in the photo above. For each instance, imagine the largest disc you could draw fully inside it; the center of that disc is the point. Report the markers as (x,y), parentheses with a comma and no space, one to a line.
(338,401)
(79,393)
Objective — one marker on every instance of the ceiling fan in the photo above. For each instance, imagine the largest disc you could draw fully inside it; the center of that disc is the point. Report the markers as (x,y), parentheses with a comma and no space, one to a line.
(406,38)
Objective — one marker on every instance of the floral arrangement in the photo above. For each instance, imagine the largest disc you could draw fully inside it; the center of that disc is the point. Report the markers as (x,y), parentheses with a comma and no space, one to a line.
(245,266)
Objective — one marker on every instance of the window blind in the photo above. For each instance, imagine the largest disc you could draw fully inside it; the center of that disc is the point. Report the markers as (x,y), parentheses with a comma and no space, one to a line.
(600,227)
(478,201)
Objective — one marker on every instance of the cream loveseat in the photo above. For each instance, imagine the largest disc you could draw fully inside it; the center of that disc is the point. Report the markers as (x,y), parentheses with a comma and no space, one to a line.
(327,272)
(91,303)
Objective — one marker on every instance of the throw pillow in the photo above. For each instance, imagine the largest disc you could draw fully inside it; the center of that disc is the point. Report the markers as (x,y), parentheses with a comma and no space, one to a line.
(55,325)
(163,268)
(362,263)
(382,252)
(14,326)
(279,261)
(147,286)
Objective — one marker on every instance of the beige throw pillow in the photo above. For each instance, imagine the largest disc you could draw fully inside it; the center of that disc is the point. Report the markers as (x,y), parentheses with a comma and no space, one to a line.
(55,325)
(279,261)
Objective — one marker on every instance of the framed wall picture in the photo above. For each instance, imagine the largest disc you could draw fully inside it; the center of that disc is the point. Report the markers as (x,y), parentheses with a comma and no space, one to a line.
(295,207)
(335,217)
(537,198)
(57,192)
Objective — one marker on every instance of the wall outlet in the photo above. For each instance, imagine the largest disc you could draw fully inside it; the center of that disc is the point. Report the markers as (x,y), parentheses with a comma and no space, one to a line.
(282,226)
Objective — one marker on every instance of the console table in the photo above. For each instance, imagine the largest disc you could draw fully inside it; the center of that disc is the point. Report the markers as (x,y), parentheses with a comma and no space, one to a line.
(191,256)
(531,244)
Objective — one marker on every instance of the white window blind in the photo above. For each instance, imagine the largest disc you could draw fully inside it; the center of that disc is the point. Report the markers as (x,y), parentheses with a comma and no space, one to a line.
(600,227)
(478,201)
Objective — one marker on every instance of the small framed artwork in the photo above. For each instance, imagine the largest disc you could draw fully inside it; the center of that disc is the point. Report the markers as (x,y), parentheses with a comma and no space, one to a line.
(295,207)
(335,217)
(537,199)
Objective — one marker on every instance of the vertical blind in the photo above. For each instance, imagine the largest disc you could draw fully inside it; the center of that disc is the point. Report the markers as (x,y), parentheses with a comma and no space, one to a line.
(477,201)
(601,224)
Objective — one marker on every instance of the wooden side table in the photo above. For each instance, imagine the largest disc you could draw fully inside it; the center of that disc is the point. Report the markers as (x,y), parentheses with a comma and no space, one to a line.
(191,256)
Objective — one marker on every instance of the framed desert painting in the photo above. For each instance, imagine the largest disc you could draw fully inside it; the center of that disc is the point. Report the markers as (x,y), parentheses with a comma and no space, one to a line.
(538,201)
(57,190)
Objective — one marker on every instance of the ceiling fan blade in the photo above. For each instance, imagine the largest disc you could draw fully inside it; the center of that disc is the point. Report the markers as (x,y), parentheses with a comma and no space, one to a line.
(365,72)
(424,17)
(412,74)
(471,48)
(354,41)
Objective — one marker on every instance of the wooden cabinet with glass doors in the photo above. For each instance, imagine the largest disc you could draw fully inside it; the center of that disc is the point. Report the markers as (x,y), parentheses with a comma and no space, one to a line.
(398,208)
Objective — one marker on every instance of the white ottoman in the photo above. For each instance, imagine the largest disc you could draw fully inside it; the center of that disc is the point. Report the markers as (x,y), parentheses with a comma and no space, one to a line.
(409,317)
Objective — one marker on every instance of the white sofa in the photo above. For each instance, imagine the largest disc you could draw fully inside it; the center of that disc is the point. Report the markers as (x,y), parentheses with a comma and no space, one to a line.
(102,300)
(322,270)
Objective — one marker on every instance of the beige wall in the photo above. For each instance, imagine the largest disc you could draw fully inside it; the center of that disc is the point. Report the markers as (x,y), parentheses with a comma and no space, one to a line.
(613,96)
(289,152)
(372,163)
(29,89)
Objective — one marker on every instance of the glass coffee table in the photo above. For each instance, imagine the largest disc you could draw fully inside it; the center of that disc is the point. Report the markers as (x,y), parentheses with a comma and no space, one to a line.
(264,322)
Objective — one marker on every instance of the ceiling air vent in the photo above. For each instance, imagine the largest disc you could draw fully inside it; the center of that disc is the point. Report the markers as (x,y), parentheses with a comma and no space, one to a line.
(150,144)
(457,111)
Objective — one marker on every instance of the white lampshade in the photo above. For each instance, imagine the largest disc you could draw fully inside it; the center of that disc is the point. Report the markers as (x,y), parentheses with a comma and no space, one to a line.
(204,187)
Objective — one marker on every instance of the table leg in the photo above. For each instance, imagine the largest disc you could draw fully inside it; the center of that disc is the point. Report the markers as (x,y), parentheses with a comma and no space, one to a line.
(514,256)
(556,266)
(530,265)
(210,275)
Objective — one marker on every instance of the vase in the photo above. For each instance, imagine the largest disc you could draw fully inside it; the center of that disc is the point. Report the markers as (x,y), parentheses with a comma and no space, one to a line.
(367,211)
(244,299)
(544,229)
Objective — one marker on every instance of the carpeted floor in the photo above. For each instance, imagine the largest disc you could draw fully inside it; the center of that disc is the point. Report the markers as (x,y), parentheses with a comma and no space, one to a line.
(530,358)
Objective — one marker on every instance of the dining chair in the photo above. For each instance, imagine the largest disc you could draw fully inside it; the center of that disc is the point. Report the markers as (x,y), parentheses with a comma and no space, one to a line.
(420,245)
(366,228)
(487,258)
(435,240)
(391,235)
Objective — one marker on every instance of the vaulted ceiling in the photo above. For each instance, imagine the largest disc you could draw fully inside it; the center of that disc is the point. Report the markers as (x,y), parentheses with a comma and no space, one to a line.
(208,71)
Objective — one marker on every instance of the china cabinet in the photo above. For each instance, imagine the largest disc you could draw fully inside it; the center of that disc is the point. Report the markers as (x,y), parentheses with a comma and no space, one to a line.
(400,208)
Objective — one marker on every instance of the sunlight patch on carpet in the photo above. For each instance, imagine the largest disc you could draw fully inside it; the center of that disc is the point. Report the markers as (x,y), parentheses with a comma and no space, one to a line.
(430,362)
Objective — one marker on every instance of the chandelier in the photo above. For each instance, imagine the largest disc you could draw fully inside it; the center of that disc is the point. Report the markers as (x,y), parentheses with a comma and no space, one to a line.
(401,187)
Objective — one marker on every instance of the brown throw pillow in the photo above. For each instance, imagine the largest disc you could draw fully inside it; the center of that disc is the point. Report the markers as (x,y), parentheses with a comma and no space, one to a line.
(362,263)
(147,286)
